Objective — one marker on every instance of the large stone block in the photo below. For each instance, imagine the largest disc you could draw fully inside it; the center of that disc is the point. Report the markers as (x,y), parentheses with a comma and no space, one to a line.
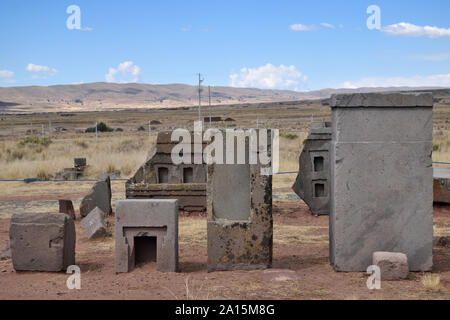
(240,225)
(146,230)
(42,241)
(312,184)
(381,179)
(98,196)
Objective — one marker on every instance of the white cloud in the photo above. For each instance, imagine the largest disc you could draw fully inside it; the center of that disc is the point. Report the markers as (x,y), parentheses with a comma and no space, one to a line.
(437,57)
(128,72)
(301,27)
(410,30)
(7,76)
(435,80)
(327,25)
(186,28)
(269,77)
(41,69)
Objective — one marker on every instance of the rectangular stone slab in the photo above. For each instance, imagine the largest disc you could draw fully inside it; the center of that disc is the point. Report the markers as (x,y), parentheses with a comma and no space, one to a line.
(381,179)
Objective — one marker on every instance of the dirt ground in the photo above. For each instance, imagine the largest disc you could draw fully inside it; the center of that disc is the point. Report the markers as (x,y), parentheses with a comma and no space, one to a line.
(300,245)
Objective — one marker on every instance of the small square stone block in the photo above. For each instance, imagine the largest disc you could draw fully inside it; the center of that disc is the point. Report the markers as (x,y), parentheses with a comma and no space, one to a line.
(42,241)
(393,265)
(94,224)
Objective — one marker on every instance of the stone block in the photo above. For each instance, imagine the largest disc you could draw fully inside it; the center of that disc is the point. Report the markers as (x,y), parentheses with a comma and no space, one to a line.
(441,185)
(66,206)
(146,230)
(98,196)
(42,241)
(94,224)
(393,265)
(312,184)
(239,222)
(381,179)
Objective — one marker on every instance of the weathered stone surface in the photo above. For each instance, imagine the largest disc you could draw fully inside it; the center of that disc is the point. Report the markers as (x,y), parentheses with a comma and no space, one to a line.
(313,180)
(239,223)
(393,265)
(441,185)
(381,180)
(94,224)
(42,241)
(146,229)
(6,253)
(388,99)
(66,206)
(98,196)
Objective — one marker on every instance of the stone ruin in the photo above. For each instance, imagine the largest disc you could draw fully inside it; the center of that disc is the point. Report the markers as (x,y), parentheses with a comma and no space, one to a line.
(75,172)
(381,179)
(159,178)
(239,221)
(313,180)
(146,230)
(99,196)
(42,241)
(441,185)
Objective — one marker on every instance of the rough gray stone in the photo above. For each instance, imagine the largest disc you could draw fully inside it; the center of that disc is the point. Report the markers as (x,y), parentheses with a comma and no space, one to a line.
(381,180)
(393,265)
(94,224)
(42,241)
(6,253)
(146,229)
(98,196)
(239,222)
(384,99)
(313,180)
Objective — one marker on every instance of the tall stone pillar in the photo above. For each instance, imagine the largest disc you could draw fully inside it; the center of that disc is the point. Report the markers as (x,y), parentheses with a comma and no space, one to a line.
(381,179)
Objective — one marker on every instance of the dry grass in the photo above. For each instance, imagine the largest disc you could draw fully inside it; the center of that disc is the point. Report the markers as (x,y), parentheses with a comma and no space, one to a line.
(110,154)
(432,282)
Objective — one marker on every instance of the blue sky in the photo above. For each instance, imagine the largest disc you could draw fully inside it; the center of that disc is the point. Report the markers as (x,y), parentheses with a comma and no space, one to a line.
(297,45)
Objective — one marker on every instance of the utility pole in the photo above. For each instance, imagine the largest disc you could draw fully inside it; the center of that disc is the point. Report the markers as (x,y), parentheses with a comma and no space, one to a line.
(209,94)
(149,128)
(200,80)
(50,128)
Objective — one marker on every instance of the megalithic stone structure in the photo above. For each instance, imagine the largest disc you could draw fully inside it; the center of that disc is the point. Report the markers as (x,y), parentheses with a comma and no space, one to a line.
(313,180)
(160,178)
(381,179)
(239,222)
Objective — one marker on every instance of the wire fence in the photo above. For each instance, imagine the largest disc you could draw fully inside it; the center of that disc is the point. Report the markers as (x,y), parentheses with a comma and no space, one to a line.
(124,179)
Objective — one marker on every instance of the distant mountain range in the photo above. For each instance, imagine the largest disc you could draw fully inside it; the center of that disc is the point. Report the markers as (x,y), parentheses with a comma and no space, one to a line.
(102,96)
